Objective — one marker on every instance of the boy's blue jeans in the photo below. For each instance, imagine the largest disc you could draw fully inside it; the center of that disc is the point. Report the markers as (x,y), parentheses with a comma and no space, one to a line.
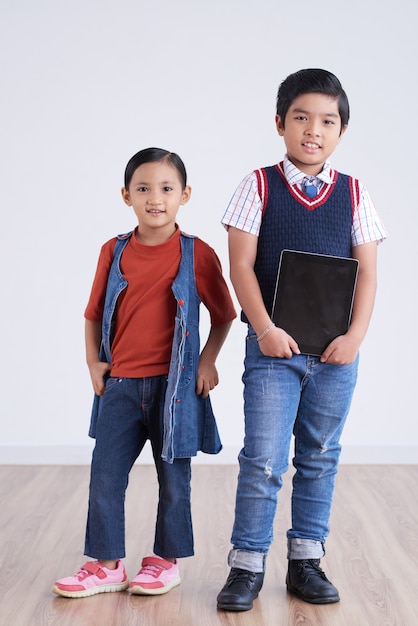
(310,399)
(131,412)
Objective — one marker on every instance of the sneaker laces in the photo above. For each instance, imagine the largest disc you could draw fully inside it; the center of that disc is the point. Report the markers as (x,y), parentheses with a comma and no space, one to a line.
(82,574)
(152,569)
(91,568)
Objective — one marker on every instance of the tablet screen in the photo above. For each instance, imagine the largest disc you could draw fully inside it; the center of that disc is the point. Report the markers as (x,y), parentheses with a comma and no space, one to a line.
(314,298)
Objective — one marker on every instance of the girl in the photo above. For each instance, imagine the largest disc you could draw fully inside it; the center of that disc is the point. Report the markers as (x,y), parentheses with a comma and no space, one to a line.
(150,382)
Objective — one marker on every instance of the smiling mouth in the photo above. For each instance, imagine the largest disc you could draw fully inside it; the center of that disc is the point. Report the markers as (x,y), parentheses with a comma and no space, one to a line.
(311,146)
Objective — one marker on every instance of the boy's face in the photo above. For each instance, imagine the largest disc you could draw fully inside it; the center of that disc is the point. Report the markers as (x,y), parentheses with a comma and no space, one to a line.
(311,131)
(156,193)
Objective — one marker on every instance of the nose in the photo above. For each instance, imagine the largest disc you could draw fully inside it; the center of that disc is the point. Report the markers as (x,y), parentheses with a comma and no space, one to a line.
(313,127)
(154,198)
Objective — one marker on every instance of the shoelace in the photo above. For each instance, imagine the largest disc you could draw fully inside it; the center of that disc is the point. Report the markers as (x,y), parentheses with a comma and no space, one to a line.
(239,574)
(82,574)
(312,564)
(151,569)
(89,569)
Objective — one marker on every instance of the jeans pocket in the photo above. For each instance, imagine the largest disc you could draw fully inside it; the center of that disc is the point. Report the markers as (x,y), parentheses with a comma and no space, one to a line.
(111,382)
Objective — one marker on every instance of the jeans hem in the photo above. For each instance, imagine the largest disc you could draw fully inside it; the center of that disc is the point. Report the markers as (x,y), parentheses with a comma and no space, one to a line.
(106,556)
(250,561)
(298,549)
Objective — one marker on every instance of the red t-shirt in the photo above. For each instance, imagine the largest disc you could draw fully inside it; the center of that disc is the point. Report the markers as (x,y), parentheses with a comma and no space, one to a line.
(146,309)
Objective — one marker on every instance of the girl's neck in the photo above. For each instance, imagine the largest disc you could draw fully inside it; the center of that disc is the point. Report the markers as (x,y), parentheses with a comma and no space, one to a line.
(154,237)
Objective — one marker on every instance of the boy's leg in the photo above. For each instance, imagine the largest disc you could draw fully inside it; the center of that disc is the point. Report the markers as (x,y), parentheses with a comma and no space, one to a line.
(325,402)
(271,398)
(324,405)
(120,437)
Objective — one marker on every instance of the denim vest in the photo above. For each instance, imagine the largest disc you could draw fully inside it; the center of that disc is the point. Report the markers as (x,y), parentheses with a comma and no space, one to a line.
(189,422)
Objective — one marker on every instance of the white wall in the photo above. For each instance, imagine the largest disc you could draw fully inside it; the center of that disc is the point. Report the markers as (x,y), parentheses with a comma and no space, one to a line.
(87,83)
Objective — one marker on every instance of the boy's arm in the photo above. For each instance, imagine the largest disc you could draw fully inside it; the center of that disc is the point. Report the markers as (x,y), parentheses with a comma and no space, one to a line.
(344,349)
(242,254)
(207,374)
(97,368)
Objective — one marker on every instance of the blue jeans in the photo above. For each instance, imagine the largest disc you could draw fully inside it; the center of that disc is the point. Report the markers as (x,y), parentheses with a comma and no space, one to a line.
(131,412)
(310,399)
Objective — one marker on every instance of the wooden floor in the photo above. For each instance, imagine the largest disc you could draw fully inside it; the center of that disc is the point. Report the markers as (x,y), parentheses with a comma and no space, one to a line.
(372,552)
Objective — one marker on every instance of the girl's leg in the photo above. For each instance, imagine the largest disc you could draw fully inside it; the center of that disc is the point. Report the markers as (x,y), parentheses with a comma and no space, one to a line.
(120,437)
(173,532)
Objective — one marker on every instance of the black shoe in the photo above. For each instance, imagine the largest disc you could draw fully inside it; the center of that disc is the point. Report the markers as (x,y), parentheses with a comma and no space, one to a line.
(240,589)
(307,580)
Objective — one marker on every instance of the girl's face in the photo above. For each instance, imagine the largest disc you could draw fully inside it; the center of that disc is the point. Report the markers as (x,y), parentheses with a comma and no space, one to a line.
(311,131)
(156,193)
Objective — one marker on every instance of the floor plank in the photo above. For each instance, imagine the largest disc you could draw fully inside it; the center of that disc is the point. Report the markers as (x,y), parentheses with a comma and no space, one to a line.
(372,552)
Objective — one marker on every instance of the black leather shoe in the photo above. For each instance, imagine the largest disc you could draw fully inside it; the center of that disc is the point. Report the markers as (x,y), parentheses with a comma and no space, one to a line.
(240,589)
(307,581)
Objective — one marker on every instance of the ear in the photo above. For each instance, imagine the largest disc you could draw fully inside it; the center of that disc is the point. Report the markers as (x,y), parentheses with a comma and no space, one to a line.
(343,129)
(279,126)
(126,197)
(187,192)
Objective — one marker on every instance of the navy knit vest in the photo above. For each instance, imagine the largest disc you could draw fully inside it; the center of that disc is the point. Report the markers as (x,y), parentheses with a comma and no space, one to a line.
(291,221)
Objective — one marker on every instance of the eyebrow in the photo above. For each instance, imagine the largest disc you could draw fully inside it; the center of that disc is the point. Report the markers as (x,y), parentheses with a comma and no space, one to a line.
(308,112)
(162,182)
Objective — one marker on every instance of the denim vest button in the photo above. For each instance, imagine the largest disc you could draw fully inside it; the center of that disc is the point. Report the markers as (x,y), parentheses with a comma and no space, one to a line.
(181,302)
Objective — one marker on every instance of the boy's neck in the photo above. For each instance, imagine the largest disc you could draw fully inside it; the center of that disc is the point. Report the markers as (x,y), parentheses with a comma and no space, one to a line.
(312,172)
(308,170)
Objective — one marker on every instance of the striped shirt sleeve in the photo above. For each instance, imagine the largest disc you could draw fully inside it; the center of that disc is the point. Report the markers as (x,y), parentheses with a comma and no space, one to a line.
(367,225)
(244,210)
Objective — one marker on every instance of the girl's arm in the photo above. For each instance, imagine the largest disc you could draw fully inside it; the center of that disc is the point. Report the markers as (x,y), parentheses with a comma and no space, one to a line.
(242,254)
(97,368)
(344,349)
(207,374)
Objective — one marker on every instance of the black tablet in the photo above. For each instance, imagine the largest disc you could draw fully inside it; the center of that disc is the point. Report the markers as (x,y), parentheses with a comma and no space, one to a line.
(314,298)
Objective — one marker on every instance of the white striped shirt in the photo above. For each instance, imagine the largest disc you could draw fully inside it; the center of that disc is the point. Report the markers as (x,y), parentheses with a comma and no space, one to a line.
(244,210)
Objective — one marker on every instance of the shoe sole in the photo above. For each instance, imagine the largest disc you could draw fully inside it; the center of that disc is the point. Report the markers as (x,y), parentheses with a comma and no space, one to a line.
(224,606)
(234,607)
(85,593)
(157,591)
(326,600)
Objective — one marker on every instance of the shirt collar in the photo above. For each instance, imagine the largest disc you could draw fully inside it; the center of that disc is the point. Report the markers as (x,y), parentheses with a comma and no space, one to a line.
(295,177)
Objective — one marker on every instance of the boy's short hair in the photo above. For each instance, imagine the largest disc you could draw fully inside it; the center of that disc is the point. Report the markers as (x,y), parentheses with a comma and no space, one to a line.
(311,81)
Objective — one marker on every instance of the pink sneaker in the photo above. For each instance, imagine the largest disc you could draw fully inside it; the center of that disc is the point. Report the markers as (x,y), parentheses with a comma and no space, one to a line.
(156,576)
(92,578)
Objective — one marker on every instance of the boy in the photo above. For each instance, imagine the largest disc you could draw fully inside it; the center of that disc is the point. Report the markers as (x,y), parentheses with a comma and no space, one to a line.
(301,204)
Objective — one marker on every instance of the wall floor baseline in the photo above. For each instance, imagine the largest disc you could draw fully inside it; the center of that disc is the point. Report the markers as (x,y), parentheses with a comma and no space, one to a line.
(81,455)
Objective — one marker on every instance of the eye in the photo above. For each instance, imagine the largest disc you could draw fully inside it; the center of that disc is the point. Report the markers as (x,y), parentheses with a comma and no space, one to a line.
(142,189)
(167,188)
(301,118)
(329,122)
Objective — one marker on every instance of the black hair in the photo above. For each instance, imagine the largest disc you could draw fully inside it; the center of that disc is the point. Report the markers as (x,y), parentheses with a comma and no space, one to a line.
(311,81)
(152,155)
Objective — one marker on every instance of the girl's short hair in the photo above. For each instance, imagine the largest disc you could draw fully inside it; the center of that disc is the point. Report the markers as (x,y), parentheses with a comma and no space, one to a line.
(311,81)
(152,155)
